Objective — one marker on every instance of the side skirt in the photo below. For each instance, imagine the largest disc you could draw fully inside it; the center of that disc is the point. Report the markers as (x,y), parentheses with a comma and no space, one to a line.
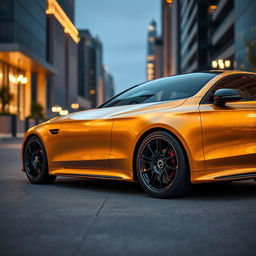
(89,176)
(237,176)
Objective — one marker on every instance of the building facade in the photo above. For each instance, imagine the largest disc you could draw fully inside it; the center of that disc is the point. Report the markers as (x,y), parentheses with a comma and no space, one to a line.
(95,82)
(245,35)
(221,34)
(85,64)
(109,86)
(208,34)
(166,39)
(38,52)
(62,49)
(151,50)
(23,52)
(193,21)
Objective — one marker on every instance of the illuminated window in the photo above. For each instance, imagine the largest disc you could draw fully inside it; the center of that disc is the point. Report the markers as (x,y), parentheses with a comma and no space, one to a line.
(150,71)
(150,57)
(92,92)
(151,28)
(212,8)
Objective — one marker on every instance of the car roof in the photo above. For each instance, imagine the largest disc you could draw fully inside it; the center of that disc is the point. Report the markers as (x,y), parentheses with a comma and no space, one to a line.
(232,71)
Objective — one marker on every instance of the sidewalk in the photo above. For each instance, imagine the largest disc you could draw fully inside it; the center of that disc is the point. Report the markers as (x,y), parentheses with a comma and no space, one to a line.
(7,138)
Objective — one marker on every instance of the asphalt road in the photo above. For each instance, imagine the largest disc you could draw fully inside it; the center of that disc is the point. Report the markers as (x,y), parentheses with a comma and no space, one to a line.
(90,217)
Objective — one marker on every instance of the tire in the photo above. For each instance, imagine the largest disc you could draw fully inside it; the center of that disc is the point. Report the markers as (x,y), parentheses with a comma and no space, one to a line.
(161,166)
(35,162)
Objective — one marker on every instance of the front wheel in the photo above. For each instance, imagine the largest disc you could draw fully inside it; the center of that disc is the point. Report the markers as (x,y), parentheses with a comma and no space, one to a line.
(161,166)
(35,162)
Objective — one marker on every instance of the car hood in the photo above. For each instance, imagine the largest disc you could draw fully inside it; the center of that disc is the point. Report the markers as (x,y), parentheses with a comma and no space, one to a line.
(111,112)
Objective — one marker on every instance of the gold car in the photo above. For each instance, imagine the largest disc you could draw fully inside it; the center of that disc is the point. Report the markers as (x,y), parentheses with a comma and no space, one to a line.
(167,134)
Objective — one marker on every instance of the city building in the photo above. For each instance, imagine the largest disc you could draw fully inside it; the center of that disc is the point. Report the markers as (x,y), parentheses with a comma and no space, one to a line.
(85,65)
(221,34)
(167,35)
(151,40)
(245,35)
(95,83)
(23,53)
(109,86)
(159,58)
(38,53)
(193,22)
(208,34)
(62,53)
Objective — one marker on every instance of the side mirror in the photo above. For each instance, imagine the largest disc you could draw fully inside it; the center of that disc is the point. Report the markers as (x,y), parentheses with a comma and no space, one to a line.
(222,96)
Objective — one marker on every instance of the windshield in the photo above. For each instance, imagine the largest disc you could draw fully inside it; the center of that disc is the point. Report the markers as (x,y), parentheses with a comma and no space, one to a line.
(163,89)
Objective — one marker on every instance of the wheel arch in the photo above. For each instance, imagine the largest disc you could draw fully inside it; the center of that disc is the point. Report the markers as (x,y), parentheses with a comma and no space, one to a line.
(26,139)
(144,135)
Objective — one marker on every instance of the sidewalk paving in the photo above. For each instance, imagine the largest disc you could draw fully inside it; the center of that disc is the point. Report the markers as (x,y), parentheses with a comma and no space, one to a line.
(6,138)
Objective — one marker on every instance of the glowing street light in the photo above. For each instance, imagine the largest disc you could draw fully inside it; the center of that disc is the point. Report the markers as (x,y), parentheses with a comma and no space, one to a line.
(214,64)
(227,63)
(221,64)
(56,109)
(20,79)
(75,106)
(63,112)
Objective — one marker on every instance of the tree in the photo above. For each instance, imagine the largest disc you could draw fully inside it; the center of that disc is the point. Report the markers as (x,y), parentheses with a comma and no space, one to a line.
(37,110)
(5,98)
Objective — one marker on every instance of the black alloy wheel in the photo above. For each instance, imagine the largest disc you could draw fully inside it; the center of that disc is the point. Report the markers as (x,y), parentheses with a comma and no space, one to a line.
(35,162)
(161,166)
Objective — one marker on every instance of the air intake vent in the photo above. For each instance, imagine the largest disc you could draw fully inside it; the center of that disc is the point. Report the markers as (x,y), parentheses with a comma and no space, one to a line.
(54,131)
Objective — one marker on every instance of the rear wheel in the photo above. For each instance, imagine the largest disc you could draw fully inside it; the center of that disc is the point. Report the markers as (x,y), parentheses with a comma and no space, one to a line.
(35,162)
(161,166)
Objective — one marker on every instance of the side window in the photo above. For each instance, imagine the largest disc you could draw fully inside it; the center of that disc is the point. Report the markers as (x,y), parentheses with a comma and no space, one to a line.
(245,83)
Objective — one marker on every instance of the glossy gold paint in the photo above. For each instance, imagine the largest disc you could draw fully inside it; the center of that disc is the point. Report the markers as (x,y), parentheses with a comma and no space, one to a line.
(102,142)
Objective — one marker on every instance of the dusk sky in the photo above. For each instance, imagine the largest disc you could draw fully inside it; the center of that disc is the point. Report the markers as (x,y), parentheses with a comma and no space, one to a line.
(122,28)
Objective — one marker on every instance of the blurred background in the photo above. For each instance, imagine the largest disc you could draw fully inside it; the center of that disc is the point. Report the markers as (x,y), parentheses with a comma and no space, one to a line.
(60,56)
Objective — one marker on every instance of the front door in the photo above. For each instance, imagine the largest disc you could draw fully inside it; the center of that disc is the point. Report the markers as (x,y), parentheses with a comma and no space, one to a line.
(229,133)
